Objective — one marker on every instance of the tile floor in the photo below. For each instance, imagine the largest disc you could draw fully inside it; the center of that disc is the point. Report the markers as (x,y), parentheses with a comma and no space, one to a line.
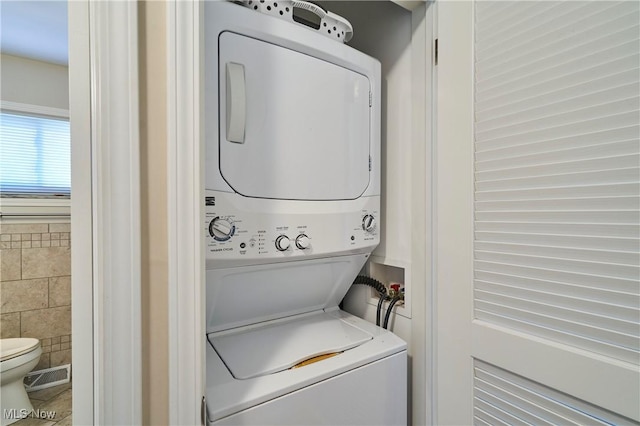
(58,399)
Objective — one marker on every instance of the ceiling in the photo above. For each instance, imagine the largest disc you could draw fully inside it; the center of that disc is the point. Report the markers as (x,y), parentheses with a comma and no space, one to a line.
(35,30)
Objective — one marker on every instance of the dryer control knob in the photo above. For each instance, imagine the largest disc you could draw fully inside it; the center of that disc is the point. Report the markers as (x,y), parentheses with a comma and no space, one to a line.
(302,242)
(221,229)
(369,223)
(282,242)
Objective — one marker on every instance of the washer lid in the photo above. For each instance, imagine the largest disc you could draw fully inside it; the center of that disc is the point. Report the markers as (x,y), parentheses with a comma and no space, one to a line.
(264,349)
(11,348)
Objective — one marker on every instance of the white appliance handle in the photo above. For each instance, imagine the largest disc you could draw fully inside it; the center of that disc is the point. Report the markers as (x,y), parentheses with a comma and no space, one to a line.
(310,7)
(236,103)
(327,18)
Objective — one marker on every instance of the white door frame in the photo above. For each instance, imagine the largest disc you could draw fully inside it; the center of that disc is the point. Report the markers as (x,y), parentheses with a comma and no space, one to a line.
(185,213)
(105,212)
(453,215)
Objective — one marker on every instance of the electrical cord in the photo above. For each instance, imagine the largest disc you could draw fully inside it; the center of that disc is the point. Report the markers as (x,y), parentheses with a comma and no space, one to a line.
(377,286)
(386,317)
(371,282)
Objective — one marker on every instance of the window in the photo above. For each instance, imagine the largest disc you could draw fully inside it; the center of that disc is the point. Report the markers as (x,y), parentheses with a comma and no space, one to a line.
(35,156)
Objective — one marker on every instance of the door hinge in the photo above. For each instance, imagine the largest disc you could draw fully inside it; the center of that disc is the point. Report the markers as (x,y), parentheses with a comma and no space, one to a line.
(203,411)
(370,99)
(369,163)
(435,52)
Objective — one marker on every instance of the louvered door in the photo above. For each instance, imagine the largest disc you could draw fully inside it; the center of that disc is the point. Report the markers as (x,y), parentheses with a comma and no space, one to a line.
(556,240)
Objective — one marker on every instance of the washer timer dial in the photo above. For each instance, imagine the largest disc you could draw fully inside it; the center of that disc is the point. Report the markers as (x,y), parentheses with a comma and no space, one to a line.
(221,229)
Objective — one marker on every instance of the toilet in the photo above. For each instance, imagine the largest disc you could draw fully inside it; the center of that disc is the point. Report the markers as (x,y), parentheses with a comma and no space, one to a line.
(18,357)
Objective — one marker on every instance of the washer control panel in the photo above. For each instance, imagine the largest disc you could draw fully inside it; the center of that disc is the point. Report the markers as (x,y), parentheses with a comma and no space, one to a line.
(235,230)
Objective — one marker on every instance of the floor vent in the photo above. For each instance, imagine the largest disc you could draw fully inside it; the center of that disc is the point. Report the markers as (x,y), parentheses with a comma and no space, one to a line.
(47,378)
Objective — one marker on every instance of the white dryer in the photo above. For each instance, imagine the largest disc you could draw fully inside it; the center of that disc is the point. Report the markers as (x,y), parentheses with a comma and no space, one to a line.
(292,131)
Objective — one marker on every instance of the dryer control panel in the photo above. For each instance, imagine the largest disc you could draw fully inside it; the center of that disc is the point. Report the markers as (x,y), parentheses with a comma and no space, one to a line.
(243,231)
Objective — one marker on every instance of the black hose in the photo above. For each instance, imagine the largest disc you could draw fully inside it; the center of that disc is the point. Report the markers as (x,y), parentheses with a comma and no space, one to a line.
(377,286)
(379,311)
(386,317)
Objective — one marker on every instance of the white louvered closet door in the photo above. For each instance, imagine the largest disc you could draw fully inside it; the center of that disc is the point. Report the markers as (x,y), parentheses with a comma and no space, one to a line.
(557,183)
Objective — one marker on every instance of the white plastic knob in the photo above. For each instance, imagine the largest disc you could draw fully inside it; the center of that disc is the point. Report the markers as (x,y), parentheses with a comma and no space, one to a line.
(283,243)
(302,242)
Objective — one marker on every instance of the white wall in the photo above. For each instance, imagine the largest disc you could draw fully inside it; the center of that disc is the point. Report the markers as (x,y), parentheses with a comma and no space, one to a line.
(28,81)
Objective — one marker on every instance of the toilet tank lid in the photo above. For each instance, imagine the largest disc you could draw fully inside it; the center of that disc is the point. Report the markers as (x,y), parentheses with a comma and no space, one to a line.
(11,348)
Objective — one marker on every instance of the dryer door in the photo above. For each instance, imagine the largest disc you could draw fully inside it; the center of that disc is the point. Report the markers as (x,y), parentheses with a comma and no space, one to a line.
(291,126)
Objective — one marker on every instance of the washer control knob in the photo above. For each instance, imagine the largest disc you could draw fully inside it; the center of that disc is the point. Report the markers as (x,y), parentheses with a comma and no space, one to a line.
(282,242)
(369,223)
(302,242)
(221,229)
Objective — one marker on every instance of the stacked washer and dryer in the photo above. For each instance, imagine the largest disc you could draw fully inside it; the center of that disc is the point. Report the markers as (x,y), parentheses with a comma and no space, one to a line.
(292,130)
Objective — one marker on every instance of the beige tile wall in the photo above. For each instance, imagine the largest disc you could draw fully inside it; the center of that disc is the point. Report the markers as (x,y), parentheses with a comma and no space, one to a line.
(35,287)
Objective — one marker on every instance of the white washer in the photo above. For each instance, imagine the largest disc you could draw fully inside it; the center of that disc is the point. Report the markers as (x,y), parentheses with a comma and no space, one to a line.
(292,130)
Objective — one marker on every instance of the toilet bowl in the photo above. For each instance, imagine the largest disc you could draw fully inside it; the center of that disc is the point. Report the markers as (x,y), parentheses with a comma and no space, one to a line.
(17,358)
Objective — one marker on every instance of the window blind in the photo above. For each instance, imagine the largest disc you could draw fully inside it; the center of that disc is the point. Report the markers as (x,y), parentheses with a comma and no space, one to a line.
(557,172)
(35,156)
